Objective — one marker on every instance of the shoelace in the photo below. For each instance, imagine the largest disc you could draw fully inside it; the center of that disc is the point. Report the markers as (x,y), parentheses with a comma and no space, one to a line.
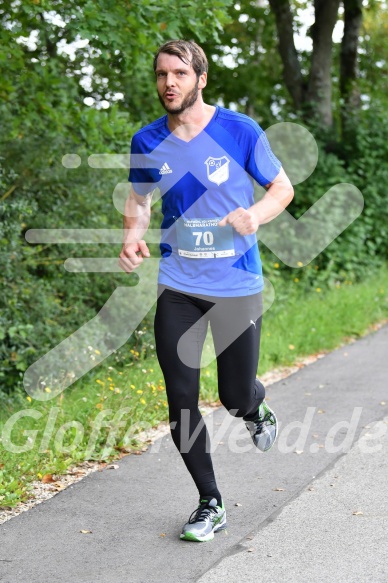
(201,513)
(259,422)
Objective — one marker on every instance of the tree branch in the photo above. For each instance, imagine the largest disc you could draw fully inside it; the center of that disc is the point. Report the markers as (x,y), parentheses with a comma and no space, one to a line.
(10,191)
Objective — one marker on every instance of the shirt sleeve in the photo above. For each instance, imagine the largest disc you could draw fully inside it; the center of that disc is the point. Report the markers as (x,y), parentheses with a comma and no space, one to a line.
(143,177)
(261,162)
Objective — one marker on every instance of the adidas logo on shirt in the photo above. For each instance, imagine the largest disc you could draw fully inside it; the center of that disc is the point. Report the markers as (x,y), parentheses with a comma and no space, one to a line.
(165,169)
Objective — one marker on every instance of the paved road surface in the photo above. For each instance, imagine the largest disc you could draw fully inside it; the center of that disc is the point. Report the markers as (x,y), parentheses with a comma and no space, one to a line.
(311,534)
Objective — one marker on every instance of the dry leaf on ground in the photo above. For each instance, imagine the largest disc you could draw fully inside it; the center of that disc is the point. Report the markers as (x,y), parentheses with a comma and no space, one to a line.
(47,479)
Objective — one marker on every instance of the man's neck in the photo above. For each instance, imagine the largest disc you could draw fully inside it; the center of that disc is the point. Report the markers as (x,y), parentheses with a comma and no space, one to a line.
(191,122)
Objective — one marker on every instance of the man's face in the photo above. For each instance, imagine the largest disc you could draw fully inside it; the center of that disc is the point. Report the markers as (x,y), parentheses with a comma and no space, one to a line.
(177,83)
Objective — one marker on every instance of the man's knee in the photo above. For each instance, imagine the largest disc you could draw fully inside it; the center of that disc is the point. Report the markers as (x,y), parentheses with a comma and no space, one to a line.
(234,406)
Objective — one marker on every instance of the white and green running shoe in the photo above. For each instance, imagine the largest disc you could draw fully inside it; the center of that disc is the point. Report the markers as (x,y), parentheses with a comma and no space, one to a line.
(207,519)
(264,429)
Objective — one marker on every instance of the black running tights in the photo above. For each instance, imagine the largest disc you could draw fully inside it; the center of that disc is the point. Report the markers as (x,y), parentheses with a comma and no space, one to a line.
(181,323)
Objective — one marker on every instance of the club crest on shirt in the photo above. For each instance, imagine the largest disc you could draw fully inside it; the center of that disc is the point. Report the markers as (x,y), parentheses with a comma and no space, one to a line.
(217,169)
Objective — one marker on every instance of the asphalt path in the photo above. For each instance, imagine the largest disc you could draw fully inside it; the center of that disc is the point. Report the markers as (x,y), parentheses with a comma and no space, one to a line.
(135,513)
(336,530)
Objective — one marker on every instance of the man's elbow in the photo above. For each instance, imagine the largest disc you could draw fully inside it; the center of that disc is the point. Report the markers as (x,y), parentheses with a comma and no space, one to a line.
(290,194)
(287,193)
(141,200)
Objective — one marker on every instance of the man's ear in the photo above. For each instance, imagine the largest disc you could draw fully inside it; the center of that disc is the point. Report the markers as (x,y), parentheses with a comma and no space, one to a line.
(202,81)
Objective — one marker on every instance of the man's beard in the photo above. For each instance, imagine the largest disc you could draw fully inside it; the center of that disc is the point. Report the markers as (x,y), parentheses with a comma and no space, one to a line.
(187,102)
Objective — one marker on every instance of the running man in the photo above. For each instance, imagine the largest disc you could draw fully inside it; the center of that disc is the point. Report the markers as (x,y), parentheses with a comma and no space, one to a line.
(204,159)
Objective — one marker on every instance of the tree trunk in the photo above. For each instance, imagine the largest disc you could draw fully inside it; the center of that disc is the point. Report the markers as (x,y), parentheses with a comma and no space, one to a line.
(348,59)
(319,86)
(315,97)
(292,74)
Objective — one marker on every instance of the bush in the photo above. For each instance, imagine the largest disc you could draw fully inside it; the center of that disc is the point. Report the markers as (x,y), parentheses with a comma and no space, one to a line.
(363,246)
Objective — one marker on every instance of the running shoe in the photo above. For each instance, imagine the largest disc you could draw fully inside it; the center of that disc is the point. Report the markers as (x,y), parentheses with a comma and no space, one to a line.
(264,429)
(207,519)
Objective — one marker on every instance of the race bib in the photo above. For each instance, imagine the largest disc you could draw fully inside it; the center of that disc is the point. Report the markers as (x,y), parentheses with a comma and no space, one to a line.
(204,239)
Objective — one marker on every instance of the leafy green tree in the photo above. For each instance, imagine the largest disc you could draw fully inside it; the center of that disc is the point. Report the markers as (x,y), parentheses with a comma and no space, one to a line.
(75,77)
(58,52)
(373,57)
(245,66)
(261,69)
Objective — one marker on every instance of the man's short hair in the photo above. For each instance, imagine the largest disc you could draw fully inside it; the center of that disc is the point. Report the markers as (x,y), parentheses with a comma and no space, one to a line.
(188,51)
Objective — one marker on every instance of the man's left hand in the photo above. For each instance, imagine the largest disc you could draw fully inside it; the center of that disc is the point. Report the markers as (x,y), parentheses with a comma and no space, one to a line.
(244,221)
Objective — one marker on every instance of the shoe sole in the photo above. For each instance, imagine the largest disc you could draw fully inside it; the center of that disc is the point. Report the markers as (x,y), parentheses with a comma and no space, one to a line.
(203,539)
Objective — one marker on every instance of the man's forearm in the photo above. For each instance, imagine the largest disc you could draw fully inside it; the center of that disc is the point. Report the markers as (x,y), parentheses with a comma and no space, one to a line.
(273,203)
(137,215)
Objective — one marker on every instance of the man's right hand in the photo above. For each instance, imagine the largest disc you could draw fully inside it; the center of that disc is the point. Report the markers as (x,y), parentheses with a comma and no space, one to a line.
(132,255)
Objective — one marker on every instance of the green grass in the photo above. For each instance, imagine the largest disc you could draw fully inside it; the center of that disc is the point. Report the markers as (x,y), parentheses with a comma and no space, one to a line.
(302,324)
(102,415)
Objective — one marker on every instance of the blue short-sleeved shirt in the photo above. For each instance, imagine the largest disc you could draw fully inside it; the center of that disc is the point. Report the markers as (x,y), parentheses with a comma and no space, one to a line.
(200,182)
